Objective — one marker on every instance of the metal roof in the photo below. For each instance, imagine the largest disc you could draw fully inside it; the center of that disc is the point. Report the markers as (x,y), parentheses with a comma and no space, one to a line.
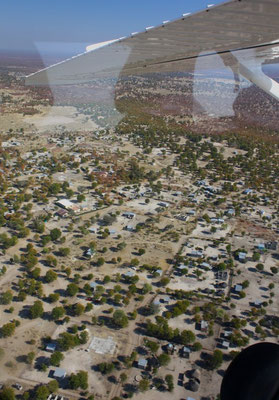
(59,373)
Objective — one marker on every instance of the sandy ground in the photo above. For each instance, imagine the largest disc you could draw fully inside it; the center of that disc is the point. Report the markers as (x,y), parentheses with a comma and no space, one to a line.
(61,116)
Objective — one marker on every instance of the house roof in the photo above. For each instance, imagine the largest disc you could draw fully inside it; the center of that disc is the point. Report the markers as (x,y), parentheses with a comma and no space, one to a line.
(204,324)
(129,274)
(242,255)
(59,373)
(205,264)
(130,214)
(159,271)
(182,266)
(142,362)
(64,203)
(51,346)
(196,373)
(194,386)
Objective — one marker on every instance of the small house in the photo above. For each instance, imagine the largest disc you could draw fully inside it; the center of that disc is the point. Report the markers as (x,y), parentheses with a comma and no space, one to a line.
(51,347)
(170,348)
(205,265)
(194,385)
(185,352)
(191,213)
(165,299)
(142,363)
(242,257)
(59,373)
(221,275)
(238,288)
(261,247)
(204,326)
(129,274)
(89,253)
(225,344)
(196,253)
(129,215)
(182,268)
(62,213)
(257,303)
(271,245)
(163,204)
(230,212)
(93,286)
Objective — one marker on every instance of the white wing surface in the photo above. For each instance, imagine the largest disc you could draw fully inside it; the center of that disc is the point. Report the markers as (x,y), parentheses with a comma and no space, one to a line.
(245,33)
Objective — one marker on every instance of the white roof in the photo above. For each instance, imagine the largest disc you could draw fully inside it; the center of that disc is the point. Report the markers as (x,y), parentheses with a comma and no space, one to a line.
(65,203)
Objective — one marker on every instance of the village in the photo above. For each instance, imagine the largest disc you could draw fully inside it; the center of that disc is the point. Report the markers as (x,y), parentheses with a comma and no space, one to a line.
(134,259)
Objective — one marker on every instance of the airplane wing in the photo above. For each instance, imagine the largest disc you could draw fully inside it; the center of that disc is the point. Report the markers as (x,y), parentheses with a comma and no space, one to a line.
(245,33)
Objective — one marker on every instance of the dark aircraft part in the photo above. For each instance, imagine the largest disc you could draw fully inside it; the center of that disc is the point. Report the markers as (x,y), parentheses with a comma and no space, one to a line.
(253,374)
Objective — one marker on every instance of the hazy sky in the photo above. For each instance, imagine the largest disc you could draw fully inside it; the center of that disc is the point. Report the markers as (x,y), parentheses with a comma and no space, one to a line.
(23,23)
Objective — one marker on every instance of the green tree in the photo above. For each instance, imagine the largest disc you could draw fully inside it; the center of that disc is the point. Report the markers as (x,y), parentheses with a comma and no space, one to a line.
(45,240)
(55,234)
(256,256)
(42,393)
(57,313)
(50,276)
(79,380)
(7,393)
(78,309)
(197,346)
(53,297)
(30,357)
(64,251)
(106,368)
(164,281)
(123,377)
(153,346)
(120,319)
(260,267)
(6,297)
(8,329)
(72,289)
(274,270)
(169,382)
(216,359)
(56,358)
(53,386)
(164,359)
(143,385)
(36,310)
(100,261)
(80,198)
(187,337)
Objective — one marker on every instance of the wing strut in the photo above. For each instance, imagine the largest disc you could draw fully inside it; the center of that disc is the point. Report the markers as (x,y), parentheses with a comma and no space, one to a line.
(260,79)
